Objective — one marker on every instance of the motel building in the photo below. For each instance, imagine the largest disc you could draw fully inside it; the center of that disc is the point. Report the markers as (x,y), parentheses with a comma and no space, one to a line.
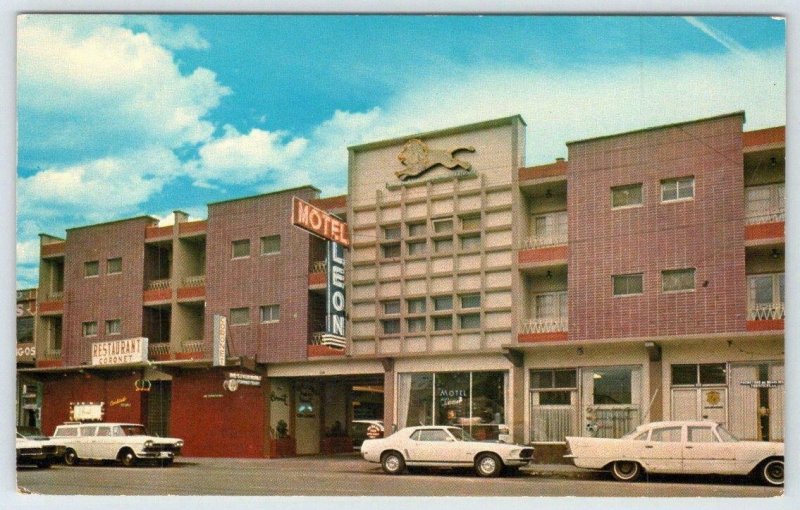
(640,279)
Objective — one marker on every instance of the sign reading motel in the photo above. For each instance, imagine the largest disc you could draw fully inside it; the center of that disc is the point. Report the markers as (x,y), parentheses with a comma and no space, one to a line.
(319,222)
(120,352)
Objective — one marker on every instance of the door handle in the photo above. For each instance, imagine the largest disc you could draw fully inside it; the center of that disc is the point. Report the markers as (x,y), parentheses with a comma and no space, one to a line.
(690,447)
(649,446)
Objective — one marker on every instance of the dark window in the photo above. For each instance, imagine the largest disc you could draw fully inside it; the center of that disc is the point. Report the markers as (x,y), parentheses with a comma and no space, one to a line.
(627,284)
(391,326)
(24,330)
(89,328)
(416,325)
(443,323)
(677,189)
(443,303)
(390,250)
(114,266)
(91,268)
(391,307)
(270,313)
(241,248)
(470,301)
(470,321)
(113,327)
(240,316)
(684,374)
(612,385)
(674,280)
(626,196)
(391,232)
(270,245)
(416,305)
(712,373)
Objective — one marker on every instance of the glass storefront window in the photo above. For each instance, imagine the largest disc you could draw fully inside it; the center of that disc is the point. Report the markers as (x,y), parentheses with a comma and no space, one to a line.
(473,400)
(713,373)
(684,374)
(612,385)
(707,373)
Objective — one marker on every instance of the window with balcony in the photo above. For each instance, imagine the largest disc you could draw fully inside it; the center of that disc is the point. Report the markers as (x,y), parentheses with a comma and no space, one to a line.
(113,327)
(89,328)
(765,297)
(239,316)
(271,245)
(91,268)
(270,313)
(765,204)
(114,266)
(677,189)
(677,280)
(548,230)
(549,313)
(240,249)
(629,195)
(628,284)
(391,326)
(416,305)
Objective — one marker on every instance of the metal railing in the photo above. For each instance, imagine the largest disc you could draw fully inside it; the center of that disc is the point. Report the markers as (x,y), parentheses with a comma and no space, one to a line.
(192,346)
(765,204)
(316,338)
(158,349)
(544,325)
(544,241)
(765,312)
(553,423)
(614,422)
(195,281)
(318,266)
(56,296)
(158,284)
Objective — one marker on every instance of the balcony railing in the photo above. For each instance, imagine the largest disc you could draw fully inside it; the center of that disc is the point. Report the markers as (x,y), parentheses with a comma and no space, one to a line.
(158,284)
(544,325)
(158,349)
(195,281)
(765,204)
(765,312)
(545,241)
(316,338)
(56,296)
(192,346)
(318,266)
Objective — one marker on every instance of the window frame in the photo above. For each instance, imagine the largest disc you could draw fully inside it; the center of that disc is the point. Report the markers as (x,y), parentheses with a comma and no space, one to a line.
(87,265)
(394,322)
(272,307)
(416,300)
(393,246)
(625,187)
(468,316)
(677,181)
(264,239)
(469,238)
(669,272)
(86,326)
(119,325)
(385,305)
(231,312)
(626,275)
(108,265)
(417,320)
(438,318)
(240,242)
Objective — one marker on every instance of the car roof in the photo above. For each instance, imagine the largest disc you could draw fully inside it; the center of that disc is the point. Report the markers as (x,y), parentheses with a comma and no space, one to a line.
(106,424)
(677,423)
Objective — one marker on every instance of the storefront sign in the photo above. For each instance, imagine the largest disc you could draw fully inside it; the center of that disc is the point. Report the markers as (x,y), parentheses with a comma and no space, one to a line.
(762,384)
(86,411)
(26,309)
(319,222)
(374,432)
(219,353)
(335,321)
(245,379)
(26,352)
(120,352)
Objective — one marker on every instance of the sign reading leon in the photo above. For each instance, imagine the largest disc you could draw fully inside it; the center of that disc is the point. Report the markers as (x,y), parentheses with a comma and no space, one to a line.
(319,222)
(120,352)
(335,331)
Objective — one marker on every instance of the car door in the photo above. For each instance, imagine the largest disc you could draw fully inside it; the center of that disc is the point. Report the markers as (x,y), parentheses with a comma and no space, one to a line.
(84,443)
(663,451)
(433,445)
(103,443)
(703,452)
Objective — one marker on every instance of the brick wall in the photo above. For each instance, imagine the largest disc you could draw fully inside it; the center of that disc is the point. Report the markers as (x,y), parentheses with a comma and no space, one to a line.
(259,280)
(104,297)
(706,233)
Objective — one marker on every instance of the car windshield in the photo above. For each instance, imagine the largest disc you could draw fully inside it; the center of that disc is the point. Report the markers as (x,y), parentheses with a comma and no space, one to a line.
(134,430)
(725,436)
(630,435)
(460,434)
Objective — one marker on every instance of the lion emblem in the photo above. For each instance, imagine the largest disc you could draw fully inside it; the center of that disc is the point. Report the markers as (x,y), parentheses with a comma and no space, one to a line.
(416,157)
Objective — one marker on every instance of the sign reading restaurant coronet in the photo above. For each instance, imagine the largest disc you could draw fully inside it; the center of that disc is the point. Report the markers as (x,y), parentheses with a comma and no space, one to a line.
(219,354)
(120,352)
(319,222)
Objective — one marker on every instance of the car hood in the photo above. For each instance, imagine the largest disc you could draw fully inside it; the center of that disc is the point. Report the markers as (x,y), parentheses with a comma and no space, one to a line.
(157,439)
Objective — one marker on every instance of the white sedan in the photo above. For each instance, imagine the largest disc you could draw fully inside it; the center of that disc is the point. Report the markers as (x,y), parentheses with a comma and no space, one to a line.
(440,446)
(691,447)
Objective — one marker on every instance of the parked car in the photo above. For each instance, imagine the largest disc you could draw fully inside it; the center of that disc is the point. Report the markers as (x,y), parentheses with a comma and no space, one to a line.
(692,447)
(441,446)
(31,452)
(127,443)
(53,451)
(365,429)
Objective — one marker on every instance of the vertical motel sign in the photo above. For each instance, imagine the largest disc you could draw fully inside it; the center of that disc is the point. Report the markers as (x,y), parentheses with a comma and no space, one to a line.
(327,226)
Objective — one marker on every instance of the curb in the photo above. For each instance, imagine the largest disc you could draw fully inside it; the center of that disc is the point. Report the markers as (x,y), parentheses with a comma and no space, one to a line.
(574,474)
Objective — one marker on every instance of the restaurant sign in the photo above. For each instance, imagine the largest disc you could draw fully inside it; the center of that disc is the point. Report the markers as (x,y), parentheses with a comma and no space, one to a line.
(120,352)
(762,384)
(219,352)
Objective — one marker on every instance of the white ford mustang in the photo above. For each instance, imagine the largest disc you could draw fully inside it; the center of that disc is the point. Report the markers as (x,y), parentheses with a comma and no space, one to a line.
(692,447)
(441,446)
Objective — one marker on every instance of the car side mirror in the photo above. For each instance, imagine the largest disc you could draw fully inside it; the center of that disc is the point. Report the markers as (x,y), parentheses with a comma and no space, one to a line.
(450,440)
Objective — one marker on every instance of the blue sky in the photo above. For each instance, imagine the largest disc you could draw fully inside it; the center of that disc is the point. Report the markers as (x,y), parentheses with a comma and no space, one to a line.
(127,115)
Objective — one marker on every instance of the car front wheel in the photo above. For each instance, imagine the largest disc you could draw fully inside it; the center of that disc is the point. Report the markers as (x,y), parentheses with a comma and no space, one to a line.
(488,465)
(128,458)
(772,472)
(393,463)
(626,470)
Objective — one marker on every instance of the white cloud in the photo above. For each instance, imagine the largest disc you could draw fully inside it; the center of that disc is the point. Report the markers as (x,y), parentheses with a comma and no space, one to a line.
(94,88)
(28,251)
(719,36)
(246,158)
(166,34)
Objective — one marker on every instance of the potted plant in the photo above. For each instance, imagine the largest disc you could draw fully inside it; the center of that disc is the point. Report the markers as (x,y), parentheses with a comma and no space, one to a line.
(281,443)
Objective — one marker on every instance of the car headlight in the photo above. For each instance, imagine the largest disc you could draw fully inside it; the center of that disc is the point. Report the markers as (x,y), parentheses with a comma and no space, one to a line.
(179,444)
(515,452)
(148,443)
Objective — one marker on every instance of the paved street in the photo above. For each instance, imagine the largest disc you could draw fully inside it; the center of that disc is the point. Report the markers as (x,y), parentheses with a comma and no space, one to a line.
(348,475)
